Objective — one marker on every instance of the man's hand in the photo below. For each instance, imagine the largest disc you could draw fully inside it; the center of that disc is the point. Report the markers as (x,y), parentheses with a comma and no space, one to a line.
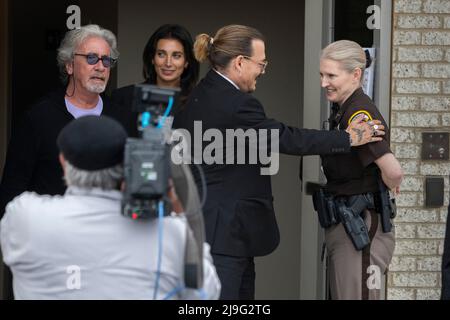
(177,207)
(362,132)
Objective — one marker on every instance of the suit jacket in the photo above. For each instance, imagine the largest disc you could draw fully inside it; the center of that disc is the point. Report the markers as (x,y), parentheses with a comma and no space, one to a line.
(239,215)
(32,158)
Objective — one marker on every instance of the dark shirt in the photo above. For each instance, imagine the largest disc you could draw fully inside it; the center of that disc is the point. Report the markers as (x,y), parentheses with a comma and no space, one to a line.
(123,97)
(355,172)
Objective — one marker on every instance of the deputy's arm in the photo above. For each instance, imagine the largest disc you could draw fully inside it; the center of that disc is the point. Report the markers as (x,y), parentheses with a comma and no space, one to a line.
(391,171)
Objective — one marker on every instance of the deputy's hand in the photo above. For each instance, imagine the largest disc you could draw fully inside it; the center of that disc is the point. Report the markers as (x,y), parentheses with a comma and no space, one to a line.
(362,132)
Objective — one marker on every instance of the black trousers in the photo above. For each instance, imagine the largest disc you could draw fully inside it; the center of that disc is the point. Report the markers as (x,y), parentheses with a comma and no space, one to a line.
(7,289)
(237,276)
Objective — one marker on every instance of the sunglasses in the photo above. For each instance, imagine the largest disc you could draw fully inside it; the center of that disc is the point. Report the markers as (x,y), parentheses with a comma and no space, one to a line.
(92,59)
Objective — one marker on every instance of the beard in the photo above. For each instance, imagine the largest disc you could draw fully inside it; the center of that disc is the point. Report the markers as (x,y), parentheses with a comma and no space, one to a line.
(95,87)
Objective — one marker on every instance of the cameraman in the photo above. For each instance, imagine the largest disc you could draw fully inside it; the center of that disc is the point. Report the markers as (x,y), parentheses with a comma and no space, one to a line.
(79,246)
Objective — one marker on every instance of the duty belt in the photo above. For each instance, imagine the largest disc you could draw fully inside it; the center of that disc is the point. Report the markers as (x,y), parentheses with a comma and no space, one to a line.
(332,210)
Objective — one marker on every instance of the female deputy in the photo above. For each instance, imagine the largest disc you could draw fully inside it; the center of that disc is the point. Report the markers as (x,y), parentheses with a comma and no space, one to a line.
(356,274)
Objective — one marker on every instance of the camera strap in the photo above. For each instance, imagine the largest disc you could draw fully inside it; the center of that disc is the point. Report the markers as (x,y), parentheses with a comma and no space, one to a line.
(187,192)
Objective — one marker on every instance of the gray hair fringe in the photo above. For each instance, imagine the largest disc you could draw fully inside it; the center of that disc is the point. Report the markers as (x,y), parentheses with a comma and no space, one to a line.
(74,38)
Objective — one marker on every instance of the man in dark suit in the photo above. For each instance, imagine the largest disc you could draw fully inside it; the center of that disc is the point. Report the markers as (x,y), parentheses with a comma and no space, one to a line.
(239,216)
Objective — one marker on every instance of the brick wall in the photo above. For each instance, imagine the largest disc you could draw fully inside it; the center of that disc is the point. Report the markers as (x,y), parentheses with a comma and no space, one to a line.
(420,103)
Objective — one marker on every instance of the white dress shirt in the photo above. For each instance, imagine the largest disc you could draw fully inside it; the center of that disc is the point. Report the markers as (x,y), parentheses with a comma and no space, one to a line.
(79,246)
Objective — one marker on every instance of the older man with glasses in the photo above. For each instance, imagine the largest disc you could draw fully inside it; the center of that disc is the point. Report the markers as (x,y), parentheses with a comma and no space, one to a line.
(85,58)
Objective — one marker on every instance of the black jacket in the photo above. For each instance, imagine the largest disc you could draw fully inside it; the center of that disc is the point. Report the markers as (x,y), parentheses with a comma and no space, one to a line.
(32,158)
(123,97)
(355,172)
(239,214)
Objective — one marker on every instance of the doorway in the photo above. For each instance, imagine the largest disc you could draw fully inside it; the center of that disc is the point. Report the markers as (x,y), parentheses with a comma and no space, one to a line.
(30,33)
(280,91)
(38,26)
(37,29)
(325,22)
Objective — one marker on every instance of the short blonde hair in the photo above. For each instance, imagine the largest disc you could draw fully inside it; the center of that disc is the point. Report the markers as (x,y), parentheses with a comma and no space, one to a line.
(348,53)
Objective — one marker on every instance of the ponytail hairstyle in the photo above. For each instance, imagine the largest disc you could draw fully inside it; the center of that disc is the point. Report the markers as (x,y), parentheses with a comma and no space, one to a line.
(228,43)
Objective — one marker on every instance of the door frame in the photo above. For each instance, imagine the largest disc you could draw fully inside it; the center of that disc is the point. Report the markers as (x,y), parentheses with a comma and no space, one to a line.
(383,44)
(318,15)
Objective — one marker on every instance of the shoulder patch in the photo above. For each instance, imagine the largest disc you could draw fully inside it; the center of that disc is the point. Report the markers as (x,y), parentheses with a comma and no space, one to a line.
(357,113)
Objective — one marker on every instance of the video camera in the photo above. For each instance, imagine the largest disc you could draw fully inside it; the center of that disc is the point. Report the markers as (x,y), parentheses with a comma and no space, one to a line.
(148,167)
(147,160)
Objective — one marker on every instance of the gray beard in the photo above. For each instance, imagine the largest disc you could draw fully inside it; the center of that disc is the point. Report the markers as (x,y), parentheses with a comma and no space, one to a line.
(96,88)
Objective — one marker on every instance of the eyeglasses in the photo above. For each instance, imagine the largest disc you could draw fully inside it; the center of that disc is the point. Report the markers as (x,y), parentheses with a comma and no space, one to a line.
(92,59)
(262,65)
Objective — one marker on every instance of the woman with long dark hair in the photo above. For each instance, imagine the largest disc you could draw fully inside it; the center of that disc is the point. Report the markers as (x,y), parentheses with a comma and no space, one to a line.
(168,61)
